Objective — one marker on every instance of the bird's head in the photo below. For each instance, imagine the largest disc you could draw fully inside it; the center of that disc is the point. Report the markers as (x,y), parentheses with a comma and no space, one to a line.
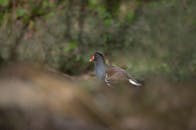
(96,56)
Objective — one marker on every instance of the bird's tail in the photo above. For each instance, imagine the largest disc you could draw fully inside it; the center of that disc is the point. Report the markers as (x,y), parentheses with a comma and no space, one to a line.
(135,83)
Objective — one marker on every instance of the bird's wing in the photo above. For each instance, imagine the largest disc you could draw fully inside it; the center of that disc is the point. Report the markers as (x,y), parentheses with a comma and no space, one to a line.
(115,74)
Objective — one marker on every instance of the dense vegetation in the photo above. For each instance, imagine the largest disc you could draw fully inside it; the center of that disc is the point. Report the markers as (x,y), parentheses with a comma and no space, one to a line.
(153,39)
(147,36)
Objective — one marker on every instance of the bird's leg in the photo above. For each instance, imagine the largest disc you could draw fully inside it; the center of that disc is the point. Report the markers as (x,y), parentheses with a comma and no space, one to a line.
(108,84)
(106,81)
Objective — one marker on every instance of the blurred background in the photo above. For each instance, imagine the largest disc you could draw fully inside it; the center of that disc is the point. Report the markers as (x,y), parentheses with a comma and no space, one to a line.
(47,83)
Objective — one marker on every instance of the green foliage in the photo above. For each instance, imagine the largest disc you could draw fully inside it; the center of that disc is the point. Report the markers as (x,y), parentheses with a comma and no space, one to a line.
(108,21)
(130,16)
(194,23)
(164,34)
(4,2)
(25,10)
(47,4)
(93,3)
(21,12)
(166,3)
(1,17)
(73,64)
(71,46)
(49,15)
(99,8)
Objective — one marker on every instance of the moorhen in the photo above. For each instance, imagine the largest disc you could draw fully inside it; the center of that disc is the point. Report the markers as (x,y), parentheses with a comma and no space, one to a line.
(111,74)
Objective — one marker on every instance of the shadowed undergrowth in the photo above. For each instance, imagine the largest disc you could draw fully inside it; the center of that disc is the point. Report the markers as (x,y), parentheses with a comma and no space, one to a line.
(35,98)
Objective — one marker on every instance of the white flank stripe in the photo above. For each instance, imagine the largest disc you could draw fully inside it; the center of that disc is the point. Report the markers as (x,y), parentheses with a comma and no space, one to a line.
(134,83)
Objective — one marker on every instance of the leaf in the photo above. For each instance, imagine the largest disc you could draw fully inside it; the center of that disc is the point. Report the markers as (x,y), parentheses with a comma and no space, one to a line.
(21,12)
(130,16)
(93,2)
(71,46)
(108,22)
(48,4)
(4,2)
(102,11)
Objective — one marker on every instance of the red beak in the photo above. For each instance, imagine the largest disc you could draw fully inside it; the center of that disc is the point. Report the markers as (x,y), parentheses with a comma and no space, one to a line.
(92,58)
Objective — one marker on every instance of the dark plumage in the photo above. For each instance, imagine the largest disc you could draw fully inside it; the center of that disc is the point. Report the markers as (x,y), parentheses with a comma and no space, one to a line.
(111,74)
